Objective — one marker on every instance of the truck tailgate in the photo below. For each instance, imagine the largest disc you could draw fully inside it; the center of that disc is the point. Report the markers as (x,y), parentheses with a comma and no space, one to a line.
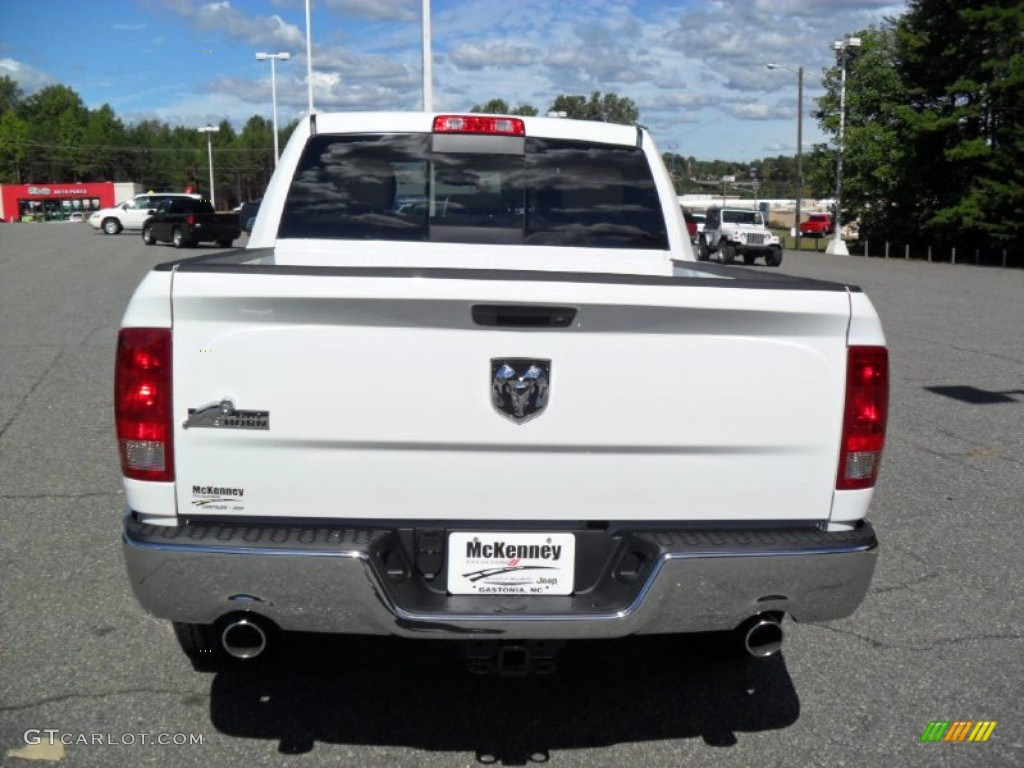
(669,399)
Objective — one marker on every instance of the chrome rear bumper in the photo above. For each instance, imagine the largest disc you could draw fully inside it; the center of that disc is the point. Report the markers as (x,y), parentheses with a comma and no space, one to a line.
(345,579)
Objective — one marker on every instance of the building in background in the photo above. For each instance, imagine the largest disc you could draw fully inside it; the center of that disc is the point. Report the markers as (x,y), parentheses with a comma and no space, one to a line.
(56,202)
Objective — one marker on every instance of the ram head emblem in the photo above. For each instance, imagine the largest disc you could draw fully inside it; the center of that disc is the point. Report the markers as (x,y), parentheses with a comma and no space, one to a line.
(520,387)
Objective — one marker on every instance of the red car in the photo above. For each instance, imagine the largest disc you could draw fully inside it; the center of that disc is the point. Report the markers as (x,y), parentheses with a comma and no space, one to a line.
(691,224)
(817,225)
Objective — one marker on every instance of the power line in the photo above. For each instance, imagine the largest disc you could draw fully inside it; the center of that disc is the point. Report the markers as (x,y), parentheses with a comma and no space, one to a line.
(115,148)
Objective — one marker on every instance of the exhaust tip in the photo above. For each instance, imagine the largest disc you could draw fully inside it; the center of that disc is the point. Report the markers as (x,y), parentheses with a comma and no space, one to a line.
(243,639)
(762,637)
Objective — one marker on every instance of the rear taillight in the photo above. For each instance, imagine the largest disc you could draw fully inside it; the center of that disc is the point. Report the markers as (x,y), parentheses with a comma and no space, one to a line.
(864,417)
(691,228)
(501,126)
(142,403)
(190,220)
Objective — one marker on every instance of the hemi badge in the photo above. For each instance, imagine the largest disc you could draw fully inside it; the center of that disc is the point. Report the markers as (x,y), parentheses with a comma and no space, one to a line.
(223,415)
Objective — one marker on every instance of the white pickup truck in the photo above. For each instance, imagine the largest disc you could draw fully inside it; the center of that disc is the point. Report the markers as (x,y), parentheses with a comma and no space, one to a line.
(463,383)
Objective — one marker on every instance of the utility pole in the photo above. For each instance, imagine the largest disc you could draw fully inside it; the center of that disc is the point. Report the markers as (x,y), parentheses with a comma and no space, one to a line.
(274,57)
(209,130)
(309,60)
(799,72)
(842,49)
(428,76)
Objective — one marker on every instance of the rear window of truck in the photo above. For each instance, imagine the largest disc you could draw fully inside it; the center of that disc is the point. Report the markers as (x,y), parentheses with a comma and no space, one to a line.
(500,190)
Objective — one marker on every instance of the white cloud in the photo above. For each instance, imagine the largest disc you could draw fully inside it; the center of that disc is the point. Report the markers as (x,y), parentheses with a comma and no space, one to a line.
(686,100)
(366,68)
(222,17)
(341,80)
(753,111)
(492,53)
(196,110)
(695,69)
(28,78)
(378,10)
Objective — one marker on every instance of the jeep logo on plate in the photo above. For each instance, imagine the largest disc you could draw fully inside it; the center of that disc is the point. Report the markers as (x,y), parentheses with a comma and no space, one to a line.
(519,387)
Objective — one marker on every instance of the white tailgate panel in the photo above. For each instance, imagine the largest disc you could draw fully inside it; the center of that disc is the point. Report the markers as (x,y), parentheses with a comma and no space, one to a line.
(665,403)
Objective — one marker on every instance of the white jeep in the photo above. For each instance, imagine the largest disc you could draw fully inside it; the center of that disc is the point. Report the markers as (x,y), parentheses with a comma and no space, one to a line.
(738,231)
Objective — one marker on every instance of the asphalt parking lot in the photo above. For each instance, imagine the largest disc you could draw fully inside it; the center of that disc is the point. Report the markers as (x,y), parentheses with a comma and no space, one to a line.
(939,636)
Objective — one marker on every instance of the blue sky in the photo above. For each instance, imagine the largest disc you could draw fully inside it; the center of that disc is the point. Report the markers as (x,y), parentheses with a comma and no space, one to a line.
(695,68)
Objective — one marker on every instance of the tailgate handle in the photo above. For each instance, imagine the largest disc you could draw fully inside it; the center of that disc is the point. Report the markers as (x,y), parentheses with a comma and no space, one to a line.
(523,316)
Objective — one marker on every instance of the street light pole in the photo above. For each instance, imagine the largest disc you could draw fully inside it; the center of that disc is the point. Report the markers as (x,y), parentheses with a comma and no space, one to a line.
(799,72)
(309,60)
(842,49)
(209,130)
(274,57)
(672,164)
(428,76)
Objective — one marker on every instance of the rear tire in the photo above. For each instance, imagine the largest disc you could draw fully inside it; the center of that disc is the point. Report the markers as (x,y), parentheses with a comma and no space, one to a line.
(225,242)
(111,226)
(147,235)
(703,252)
(178,238)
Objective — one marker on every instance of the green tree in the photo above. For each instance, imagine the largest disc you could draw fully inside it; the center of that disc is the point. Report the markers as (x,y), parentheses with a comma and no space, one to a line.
(501,107)
(70,154)
(286,132)
(56,116)
(151,155)
(13,147)
(606,108)
(10,94)
(187,162)
(105,141)
(968,113)
(226,164)
(934,145)
(875,152)
(255,145)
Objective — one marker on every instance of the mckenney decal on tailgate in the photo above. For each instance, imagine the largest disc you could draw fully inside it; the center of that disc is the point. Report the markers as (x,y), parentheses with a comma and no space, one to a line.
(218,497)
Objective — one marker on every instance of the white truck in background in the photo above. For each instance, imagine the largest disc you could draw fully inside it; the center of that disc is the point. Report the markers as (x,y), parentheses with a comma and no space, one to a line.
(457,387)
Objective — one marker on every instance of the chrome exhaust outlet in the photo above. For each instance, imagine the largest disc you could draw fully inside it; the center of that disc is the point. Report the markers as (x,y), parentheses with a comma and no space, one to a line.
(243,639)
(761,636)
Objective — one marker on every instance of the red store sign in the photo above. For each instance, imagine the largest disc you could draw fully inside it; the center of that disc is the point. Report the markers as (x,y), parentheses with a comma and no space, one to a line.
(56,191)
(46,201)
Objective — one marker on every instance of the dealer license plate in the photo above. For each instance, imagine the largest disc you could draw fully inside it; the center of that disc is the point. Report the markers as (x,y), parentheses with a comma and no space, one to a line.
(494,563)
